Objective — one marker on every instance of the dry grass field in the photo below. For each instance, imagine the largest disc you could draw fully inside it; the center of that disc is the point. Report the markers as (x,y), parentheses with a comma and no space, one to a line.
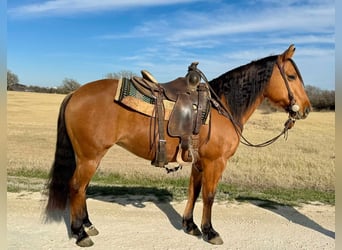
(305,160)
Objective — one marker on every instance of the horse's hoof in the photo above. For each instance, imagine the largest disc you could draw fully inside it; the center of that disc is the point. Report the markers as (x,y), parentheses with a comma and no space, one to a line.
(91,231)
(85,242)
(191,228)
(194,232)
(217,240)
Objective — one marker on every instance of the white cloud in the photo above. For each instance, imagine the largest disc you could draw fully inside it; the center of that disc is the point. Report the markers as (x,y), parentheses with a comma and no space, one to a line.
(206,29)
(291,19)
(61,7)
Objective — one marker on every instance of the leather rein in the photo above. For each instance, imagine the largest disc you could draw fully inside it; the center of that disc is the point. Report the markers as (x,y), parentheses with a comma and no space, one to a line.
(292,107)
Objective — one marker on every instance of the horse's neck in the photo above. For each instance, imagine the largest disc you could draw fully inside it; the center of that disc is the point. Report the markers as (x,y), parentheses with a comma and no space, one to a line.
(243,88)
(248,113)
(251,110)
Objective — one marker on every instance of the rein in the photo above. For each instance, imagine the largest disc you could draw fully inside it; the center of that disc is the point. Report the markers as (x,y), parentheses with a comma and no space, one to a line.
(238,127)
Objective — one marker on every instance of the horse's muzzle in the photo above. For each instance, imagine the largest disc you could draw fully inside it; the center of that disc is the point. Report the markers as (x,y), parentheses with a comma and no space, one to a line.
(300,114)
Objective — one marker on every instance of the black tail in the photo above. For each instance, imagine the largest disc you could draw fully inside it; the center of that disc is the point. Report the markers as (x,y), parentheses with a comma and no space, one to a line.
(63,167)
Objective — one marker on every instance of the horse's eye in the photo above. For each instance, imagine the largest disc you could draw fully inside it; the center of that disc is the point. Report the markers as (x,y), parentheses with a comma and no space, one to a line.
(291,77)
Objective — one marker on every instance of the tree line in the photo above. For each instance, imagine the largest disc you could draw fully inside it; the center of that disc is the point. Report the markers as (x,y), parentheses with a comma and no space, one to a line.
(68,85)
(320,99)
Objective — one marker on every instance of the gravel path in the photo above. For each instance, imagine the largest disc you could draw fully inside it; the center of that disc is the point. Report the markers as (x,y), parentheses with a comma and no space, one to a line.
(142,223)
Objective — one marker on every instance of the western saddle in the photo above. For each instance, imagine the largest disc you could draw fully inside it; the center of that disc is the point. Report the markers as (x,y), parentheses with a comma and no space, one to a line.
(191,110)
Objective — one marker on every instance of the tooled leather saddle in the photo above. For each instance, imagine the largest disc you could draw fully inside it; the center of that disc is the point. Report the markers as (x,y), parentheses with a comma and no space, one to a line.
(190,111)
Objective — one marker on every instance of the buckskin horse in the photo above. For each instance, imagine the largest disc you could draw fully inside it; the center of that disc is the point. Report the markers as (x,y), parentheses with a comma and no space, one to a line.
(90,122)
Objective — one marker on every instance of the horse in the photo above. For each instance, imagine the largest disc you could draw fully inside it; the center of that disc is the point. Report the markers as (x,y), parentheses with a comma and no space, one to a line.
(90,122)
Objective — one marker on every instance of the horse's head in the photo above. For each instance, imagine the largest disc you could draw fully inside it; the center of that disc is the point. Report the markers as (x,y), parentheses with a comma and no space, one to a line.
(286,86)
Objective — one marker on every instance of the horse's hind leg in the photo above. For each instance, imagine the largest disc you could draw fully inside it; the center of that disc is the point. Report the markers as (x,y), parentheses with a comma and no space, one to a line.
(81,226)
(89,228)
(194,189)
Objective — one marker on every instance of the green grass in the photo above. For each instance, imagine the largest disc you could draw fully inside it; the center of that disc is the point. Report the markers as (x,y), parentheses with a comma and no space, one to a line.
(28,172)
(278,195)
(169,188)
(115,178)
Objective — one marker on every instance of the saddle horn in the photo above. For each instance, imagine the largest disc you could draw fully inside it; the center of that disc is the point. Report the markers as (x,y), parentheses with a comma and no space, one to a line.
(193,77)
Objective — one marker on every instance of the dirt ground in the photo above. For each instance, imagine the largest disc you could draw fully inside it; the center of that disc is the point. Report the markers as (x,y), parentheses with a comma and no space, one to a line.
(144,223)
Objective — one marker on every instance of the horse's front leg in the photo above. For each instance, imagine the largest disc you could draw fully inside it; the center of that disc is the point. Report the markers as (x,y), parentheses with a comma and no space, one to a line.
(212,173)
(194,189)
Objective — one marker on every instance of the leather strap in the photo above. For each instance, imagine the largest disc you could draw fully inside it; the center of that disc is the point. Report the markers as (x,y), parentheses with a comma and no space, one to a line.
(161,159)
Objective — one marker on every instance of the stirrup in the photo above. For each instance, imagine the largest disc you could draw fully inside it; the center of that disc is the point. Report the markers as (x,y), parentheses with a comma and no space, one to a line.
(180,160)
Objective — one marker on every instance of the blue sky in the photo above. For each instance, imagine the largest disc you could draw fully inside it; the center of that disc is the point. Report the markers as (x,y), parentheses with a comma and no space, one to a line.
(49,40)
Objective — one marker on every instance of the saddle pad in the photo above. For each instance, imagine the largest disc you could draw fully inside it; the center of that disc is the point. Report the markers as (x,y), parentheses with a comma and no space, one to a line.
(128,95)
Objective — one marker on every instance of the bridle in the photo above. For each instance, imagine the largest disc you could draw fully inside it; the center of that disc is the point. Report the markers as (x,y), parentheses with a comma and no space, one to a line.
(291,109)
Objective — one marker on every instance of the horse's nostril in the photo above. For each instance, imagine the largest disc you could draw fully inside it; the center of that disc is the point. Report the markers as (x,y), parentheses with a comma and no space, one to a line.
(307,111)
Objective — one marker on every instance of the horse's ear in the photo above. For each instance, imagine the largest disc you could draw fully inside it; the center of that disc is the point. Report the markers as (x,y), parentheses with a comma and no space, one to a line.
(289,52)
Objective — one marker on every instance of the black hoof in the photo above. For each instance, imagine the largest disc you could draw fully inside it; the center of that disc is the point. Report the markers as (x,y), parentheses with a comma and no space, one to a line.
(194,232)
(85,242)
(191,228)
(82,238)
(217,240)
(211,236)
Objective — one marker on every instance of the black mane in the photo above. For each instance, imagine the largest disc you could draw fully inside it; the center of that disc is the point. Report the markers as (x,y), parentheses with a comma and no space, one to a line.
(243,85)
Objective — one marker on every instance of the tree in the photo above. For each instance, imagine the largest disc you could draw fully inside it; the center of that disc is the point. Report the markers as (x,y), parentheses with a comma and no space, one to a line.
(120,74)
(12,79)
(321,99)
(68,86)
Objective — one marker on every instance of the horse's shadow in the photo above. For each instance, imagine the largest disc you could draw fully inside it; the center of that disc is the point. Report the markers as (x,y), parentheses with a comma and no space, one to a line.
(290,213)
(137,196)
